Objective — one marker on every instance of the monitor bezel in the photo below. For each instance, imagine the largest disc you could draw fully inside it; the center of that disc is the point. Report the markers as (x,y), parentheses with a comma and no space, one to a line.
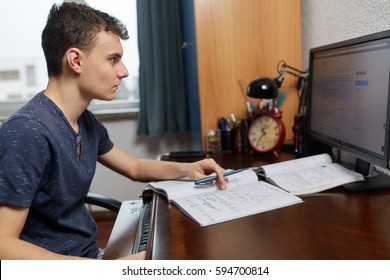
(382,161)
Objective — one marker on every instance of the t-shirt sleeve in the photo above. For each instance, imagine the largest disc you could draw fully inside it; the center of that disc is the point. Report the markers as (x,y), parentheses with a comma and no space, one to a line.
(105,144)
(25,151)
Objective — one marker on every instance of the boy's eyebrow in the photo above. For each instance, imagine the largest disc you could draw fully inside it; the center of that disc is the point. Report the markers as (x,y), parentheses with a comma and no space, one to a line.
(115,55)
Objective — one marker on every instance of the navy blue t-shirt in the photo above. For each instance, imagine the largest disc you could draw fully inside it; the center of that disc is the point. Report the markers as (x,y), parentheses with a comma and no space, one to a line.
(46,166)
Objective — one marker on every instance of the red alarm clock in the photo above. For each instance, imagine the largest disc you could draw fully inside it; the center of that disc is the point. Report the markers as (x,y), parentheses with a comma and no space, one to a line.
(267,131)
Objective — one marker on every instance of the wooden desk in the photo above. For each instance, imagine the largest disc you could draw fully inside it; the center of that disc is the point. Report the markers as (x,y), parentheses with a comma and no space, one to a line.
(333,224)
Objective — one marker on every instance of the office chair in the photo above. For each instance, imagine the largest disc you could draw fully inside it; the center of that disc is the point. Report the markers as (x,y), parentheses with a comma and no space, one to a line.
(103,201)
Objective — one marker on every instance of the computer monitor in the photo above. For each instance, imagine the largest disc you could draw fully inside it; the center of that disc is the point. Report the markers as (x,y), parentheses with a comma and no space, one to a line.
(349,103)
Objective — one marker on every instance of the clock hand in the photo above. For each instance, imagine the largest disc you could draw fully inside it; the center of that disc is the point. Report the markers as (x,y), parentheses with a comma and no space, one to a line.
(261,136)
(258,139)
(263,133)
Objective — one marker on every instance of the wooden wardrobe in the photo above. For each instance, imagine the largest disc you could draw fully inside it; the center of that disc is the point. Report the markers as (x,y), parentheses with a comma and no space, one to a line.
(240,40)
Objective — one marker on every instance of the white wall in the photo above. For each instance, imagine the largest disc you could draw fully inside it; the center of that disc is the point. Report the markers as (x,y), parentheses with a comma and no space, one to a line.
(329,21)
(123,134)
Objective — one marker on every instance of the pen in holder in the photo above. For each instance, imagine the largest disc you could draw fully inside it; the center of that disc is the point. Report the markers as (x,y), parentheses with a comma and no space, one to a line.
(227,140)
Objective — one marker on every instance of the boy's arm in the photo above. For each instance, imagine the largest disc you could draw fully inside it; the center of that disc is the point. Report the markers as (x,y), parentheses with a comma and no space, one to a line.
(12,219)
(144,170)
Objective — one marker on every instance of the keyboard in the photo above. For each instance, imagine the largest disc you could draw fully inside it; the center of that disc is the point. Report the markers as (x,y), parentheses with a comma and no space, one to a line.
(133,227)
(141,239)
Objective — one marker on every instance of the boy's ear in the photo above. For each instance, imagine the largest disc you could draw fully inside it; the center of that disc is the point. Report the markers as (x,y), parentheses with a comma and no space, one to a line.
(73,59)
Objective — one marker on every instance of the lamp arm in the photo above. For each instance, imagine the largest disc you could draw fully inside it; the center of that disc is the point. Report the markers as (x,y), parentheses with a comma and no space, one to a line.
(301,86)
(285,68)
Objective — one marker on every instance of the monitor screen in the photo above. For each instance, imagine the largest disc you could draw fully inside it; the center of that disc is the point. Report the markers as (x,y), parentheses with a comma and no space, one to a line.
(349,103)
(349,87)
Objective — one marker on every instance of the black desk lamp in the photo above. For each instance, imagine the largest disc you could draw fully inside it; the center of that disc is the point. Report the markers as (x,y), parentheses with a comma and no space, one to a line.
(263,88)
(267,88)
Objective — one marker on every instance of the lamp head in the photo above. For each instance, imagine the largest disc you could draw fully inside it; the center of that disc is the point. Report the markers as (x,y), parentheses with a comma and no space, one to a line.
(263,88)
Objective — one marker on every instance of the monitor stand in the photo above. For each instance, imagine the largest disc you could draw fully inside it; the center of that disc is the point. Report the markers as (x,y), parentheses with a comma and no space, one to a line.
(374,181)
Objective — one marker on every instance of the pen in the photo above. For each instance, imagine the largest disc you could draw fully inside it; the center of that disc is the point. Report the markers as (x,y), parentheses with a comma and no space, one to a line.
(214,177)
(221,123)
(228,125)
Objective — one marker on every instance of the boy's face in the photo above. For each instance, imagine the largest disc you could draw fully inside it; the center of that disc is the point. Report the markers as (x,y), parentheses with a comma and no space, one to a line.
(102,68)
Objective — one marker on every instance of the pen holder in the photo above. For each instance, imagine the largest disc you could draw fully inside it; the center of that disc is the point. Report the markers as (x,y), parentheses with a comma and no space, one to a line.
(228,140)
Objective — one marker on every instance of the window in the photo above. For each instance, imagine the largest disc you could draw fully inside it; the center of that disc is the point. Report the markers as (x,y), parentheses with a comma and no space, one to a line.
(7,75)
(22,64)
(30,75)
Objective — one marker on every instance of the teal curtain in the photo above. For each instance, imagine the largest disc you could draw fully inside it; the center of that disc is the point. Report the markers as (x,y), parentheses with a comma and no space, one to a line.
(163,99)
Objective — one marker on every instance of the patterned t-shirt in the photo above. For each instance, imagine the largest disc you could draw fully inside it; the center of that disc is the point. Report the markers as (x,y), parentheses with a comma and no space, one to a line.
(46,166)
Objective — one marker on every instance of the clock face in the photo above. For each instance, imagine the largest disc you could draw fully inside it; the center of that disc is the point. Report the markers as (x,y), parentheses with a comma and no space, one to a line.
(266,133)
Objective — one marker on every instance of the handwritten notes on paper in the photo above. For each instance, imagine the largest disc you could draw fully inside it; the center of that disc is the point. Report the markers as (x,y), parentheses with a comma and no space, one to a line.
(219,206)
(208,205)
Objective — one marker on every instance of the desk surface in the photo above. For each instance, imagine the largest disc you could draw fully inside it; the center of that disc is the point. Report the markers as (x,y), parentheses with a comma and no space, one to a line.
(333,224)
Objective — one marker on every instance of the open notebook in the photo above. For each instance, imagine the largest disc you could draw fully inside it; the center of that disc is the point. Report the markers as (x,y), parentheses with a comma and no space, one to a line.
(208,205)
